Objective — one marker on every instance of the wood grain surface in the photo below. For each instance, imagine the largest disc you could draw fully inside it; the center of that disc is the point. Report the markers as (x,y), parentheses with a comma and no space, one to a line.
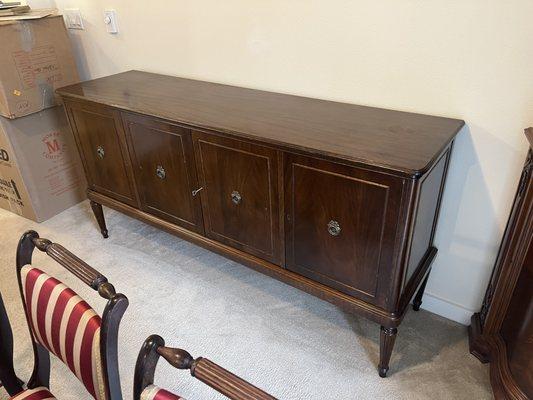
(403,142)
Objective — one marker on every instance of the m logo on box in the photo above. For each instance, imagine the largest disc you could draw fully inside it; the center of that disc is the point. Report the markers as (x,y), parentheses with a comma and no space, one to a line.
(54,147)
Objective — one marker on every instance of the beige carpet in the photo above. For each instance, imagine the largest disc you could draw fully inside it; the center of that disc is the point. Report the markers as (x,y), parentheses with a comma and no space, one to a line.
(291,344)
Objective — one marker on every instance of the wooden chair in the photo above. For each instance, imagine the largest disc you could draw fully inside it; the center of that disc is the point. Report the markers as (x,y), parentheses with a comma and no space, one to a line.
(63,324)
(202,369)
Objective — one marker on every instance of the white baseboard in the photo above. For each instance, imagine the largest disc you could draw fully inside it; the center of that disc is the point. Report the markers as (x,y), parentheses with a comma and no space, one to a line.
(446,308)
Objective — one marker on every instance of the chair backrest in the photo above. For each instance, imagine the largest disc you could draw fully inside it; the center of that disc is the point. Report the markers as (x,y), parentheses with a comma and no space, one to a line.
(202,369)
(63,324)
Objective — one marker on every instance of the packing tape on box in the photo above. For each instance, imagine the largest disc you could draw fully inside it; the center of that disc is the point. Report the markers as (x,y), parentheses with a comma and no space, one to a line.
(26,35)
(27,41)
(47,93)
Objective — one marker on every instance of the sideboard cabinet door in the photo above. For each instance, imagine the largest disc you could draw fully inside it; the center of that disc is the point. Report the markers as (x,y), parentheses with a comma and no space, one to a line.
(341,226)
(100,138)
(240,194)
(164,170)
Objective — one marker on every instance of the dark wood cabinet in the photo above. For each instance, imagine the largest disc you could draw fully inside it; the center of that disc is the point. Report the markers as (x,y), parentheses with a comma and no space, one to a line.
(100,139)
(164,169)
(240,194)
(502,332)
(338,200)
(517,328)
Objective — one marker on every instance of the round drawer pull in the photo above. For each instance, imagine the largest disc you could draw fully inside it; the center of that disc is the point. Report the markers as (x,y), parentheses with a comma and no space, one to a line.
(236,197)
(334,228)
(160,172)
(100,152)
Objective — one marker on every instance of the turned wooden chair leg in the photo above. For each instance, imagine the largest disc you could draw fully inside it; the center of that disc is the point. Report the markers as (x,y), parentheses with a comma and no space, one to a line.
(417,302)
(386,344)
(99,214)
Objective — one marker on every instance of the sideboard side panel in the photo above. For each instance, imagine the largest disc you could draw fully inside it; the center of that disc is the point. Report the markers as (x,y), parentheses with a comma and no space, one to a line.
(427,212)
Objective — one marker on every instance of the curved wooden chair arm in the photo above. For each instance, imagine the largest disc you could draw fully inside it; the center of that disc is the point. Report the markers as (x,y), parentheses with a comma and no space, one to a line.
(220,379)
(213,375)
(68,260)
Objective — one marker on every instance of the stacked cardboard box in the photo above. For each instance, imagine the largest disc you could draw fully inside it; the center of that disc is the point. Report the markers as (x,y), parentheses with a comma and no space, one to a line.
(40,170)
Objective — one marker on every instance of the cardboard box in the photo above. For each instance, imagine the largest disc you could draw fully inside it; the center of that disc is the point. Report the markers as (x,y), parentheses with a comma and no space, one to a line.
(40,170)
(35,58)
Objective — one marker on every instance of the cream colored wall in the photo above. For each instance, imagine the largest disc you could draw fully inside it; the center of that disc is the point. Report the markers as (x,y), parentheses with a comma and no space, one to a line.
(468,59)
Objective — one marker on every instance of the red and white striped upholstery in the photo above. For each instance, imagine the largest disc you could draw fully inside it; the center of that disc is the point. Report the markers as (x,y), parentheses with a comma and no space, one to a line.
(66,325)
(153,392)
(40,393)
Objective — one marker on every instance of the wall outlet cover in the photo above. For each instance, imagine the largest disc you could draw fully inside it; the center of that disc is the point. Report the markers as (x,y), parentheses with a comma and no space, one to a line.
(110,21)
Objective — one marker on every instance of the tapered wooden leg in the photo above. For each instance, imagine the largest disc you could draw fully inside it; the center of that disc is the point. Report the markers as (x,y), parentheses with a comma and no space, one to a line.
(99,214)
(417,302)
(386,344)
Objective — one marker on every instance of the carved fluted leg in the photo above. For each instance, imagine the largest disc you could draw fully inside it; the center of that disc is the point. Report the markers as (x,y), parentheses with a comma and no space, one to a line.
(386,344)
(417,302)
(99,214)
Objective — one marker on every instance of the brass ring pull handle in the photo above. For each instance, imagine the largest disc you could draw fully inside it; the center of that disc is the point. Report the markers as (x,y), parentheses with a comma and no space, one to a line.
(100,152)
(160,172)
(236,197)
(334,228)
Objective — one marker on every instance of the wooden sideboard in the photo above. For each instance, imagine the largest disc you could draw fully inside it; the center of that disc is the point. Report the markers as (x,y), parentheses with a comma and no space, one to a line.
(338,200)
(502,332)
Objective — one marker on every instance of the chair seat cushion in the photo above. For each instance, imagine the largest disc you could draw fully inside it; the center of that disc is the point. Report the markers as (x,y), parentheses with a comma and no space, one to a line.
(153,392)
(40,393)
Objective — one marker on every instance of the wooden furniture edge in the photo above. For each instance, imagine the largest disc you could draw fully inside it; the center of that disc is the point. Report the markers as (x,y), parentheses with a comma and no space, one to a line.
(514,248)
(356,162)
(493,350)
(411,217)
(422,272)
(319,290)
(501,378)
(529,136)
(477,345)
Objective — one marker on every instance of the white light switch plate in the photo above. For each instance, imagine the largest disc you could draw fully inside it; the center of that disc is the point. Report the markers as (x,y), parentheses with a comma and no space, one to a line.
(73,18)
(110,21)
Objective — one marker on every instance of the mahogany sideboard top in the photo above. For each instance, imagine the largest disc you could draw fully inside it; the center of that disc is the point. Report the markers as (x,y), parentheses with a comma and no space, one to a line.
(405,143)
